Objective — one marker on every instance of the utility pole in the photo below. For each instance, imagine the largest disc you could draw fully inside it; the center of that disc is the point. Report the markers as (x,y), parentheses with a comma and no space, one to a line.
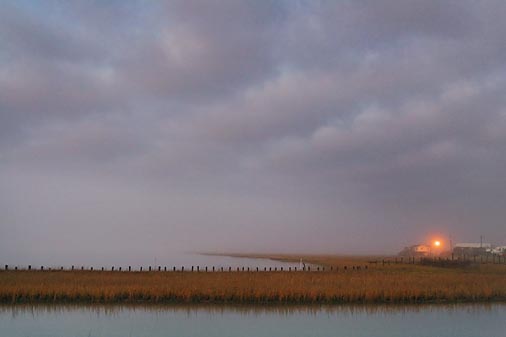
(481,241)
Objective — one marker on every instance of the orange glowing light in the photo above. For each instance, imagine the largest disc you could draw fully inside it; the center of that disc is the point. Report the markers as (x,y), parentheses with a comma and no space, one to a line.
(437,243)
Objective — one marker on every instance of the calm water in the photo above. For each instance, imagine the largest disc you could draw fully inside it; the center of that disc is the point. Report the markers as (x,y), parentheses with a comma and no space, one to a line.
(181,321)
(178,260)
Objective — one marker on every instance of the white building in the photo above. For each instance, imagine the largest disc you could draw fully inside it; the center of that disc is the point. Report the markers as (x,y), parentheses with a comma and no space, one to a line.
(499,250)
(473,245)
(416,250)
(472,248)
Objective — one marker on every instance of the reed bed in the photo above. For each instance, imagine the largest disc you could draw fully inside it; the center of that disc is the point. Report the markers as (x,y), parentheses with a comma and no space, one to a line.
(389,284)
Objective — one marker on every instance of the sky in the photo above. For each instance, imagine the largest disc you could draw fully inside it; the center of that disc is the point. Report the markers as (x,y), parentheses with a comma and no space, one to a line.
(134,129)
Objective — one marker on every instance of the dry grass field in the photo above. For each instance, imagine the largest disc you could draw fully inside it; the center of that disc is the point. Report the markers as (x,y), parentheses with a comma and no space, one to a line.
(394,283)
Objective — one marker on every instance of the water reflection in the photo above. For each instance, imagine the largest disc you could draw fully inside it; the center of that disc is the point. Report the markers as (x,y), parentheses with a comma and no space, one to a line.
(111,310)
(484,320)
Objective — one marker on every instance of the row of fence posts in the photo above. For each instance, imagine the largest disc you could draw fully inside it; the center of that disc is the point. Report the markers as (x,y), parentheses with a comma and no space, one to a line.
(401,260)
(199,269)
(493,259)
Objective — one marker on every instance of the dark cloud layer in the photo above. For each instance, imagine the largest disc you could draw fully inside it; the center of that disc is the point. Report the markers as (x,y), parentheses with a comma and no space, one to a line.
(137,129)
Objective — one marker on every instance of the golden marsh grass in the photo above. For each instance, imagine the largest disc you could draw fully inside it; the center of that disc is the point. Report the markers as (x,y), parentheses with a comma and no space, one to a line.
(399,283)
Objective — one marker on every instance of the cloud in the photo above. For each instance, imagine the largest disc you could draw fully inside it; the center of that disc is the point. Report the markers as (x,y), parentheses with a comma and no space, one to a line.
(282,120)
(204,50)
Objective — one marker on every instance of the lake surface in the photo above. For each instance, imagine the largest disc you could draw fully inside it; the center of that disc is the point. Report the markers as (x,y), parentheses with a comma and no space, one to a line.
(218,261)
(178,260)
(254,321)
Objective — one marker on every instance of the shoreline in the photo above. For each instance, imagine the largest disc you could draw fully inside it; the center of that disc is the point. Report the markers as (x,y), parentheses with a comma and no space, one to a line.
(253,303)
(260,307)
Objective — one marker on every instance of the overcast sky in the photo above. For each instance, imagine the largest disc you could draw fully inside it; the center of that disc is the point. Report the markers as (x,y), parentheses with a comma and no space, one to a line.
(133,129)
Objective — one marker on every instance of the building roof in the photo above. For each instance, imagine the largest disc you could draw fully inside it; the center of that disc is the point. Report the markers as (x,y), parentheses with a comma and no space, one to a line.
(473,245)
